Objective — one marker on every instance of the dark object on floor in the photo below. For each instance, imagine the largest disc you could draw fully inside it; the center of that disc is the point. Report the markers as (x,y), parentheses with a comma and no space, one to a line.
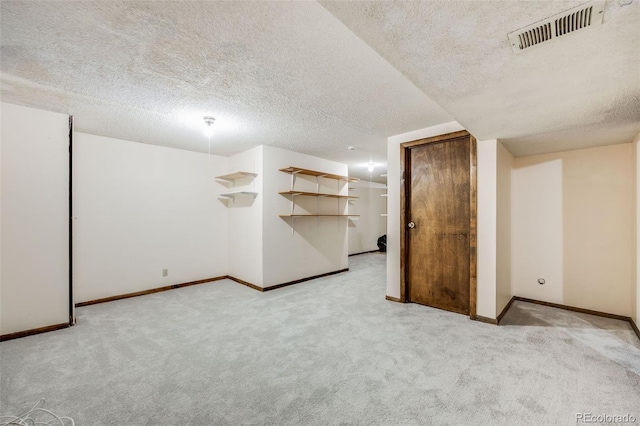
(382,243)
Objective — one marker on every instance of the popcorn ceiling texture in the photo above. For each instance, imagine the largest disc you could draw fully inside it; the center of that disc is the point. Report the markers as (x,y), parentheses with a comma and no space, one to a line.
(317,78)
(276,73)
(458,54)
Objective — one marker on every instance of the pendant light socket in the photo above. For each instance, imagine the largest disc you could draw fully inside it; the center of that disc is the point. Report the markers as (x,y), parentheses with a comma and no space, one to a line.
(208,121)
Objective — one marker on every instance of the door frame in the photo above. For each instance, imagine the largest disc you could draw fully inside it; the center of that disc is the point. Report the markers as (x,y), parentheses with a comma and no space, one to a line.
(405,186)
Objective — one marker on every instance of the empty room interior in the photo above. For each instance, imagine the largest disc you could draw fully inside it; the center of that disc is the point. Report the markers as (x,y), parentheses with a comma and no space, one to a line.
(319,212)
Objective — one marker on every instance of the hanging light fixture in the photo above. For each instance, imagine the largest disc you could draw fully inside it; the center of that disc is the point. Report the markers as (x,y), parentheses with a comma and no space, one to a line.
(208,131)
(208,121)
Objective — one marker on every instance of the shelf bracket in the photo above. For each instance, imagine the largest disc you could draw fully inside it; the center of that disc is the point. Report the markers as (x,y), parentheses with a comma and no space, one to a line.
(293,203)
(293,178)
(318,182)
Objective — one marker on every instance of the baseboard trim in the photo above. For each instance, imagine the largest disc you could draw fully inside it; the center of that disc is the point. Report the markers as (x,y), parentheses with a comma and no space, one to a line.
(394,299)
(207,280)
(504,311)
(573,308)
(633,325)
(365,252)
(276,286)
(486,320)
(150,291)
(39,330)
(248,284)
(498,319)
(273,287)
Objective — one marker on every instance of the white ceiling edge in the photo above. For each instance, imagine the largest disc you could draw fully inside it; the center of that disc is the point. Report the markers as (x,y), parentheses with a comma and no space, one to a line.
(588,81)
(612,118)
(571,139)
(131,123)
(310,86)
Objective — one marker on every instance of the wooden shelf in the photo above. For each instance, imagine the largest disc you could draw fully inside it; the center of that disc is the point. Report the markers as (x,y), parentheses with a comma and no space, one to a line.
(316,194)
(235,193)
(297,170)
(292,193)
(384,215)
(237,175)
(384,195)
(319,215)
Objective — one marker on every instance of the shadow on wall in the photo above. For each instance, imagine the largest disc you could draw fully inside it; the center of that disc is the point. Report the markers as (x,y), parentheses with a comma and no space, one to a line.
(242,200)
(238,201)
(365,229)
(322,234)
(572,223)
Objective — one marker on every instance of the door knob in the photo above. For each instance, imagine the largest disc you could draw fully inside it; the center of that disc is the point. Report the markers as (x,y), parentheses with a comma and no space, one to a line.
(411,225)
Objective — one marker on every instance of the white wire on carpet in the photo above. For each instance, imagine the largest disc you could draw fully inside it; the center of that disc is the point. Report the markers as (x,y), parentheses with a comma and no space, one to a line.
(29,418)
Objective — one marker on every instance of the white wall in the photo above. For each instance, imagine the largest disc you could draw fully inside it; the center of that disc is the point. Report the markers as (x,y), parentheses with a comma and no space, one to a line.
(317,245)
(635,300)
(487,227)
(486,211)
(371,225)
(141,209)
(245,219)
(35,176)
(573,225)
(537,216)
(503,228)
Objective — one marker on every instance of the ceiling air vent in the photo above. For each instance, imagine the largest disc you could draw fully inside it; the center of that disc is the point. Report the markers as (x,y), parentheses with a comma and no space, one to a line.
(580,17)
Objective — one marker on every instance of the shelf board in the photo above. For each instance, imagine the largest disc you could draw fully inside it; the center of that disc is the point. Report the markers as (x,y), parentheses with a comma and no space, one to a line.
(237,175)
(298,170)
(235,193)
(384,215)
(319,215)
(316,194)
(383,175)
(384,195)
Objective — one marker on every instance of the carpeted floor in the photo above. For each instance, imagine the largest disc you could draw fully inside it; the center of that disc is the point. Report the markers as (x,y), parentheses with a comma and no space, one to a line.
(331,351)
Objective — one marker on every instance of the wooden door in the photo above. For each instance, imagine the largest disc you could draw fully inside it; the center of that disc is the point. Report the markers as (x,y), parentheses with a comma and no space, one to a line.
(439,217)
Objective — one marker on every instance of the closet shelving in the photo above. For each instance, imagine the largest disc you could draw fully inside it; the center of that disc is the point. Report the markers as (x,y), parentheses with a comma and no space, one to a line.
(292,193)
(232,178)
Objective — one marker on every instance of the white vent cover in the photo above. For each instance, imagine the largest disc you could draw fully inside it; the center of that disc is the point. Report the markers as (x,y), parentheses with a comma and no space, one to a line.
(577,18)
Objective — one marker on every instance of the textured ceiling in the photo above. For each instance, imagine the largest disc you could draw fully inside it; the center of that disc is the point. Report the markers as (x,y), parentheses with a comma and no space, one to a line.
(550,98)
(283,74)
(317,78)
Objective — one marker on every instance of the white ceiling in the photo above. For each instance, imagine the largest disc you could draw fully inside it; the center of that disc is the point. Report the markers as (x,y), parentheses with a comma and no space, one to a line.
(316,78)
(458,53)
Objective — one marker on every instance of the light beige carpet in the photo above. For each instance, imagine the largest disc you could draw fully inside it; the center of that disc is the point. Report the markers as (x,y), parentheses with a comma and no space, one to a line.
(331,351)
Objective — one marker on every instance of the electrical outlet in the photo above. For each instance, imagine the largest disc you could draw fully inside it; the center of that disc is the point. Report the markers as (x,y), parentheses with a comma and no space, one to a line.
(165,272)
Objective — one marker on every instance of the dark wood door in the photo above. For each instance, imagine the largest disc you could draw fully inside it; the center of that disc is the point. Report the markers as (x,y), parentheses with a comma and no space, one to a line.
(438,224)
